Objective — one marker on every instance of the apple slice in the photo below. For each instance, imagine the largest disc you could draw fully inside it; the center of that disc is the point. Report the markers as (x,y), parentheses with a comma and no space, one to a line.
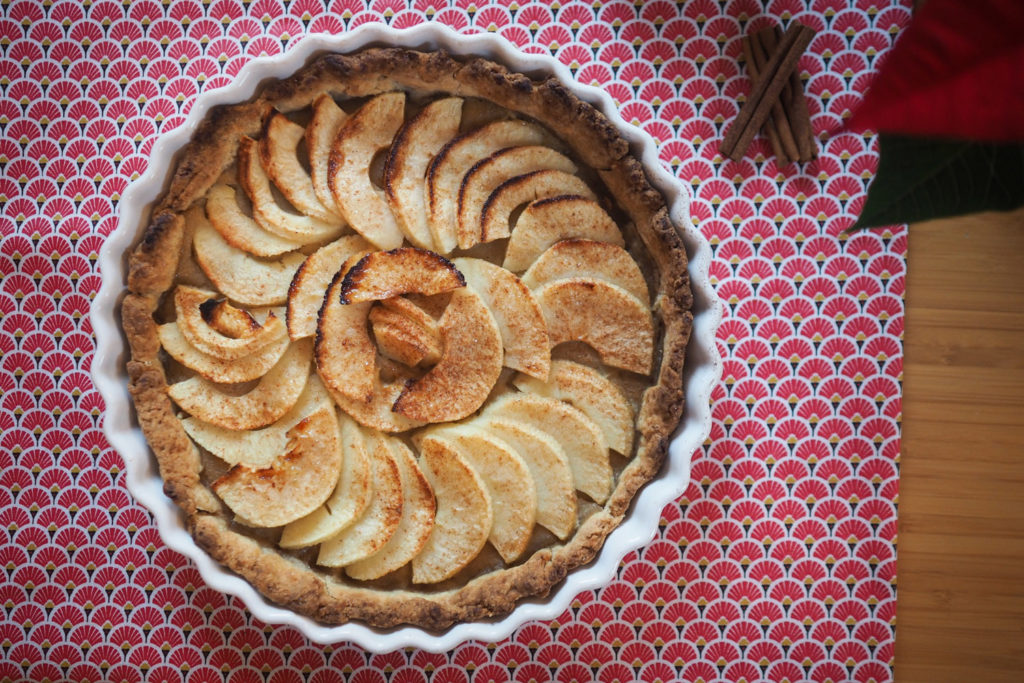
(408,308)
(238,275)
(215,368)
(418,510)
(362,136)
(549,469)
(468,369)
(275,394)
(410,347)
(306,292)
(496,215)
(238,229)
(265,209)
(230,321)
(377,414)
(588,259)
(524,334)
(191,305)
(323,128)
(351,496)
(464,514)
(298,482)
(581,439)
(487,174)
(345,355)
(509,484)
(550,220)
(379,521)
(591,392)
(279,156)
(608,318)
(257,448)
(236,322)
(405,338)
(419,141)
(446,171)
(408,270)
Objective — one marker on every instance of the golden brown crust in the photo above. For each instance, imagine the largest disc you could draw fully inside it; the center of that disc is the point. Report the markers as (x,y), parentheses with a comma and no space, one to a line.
(212,149)
(594,140)
(150,272)
(321,596)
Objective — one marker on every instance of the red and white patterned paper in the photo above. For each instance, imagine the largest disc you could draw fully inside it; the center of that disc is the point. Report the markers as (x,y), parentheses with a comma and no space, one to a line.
(778,563)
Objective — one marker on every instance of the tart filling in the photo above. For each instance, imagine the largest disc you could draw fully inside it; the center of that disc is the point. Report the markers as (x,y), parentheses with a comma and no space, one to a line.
(407,335)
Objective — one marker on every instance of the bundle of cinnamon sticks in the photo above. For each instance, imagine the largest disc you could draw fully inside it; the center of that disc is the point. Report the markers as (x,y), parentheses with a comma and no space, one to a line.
(776,102)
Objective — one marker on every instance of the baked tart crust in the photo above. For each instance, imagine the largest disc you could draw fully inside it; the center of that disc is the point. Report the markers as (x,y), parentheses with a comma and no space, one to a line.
(162,259)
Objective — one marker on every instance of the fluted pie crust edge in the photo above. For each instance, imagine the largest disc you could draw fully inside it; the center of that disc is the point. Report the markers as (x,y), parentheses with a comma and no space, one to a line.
(153,266)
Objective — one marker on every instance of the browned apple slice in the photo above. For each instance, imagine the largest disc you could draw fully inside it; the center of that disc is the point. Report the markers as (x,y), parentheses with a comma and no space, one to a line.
(377,414)
(413,311)
(606,317)
(265,209)
(398,344)
(410,347)
(549,469)
(215,368)
(588,259)
(509,485)
(258,447)
(275,394)
(588,390)
(379,521)
(306,292)
(446,171)
(242,278)
(350,497)
(464,514)
(279,156)
(408,270)
(496,215)
(345,354)
(230,321)
(550,220)
(190,306)
(238,229)
(365,133)
(418,510)
(297,483)
(581,439)
(419,140)
(487,174)
(323,128)
(468,369)
(524,334)
(407,339)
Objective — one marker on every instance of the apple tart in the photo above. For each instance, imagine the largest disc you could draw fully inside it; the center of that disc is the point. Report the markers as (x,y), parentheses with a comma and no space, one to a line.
(407,333)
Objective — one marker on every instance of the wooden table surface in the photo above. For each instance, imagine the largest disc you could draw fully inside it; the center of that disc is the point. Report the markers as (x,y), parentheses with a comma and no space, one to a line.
(960,562)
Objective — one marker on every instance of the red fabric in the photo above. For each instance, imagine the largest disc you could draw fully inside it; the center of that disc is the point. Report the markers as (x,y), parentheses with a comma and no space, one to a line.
(780,560)
(957,71)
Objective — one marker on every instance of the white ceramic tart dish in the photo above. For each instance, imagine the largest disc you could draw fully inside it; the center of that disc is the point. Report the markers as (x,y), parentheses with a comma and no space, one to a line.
(405,338)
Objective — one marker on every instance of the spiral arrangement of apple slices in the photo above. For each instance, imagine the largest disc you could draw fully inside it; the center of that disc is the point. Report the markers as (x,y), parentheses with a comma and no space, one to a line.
(378,422)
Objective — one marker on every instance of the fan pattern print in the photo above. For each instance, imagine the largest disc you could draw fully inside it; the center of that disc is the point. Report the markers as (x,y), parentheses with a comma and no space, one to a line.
(777,564)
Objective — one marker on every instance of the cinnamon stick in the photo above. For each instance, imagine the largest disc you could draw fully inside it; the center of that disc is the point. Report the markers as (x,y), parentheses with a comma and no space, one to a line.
(793,102)
(754,68)
(778,115)
(758,105)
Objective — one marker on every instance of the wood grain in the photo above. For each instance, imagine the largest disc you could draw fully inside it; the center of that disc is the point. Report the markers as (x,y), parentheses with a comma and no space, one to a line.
(960,603)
